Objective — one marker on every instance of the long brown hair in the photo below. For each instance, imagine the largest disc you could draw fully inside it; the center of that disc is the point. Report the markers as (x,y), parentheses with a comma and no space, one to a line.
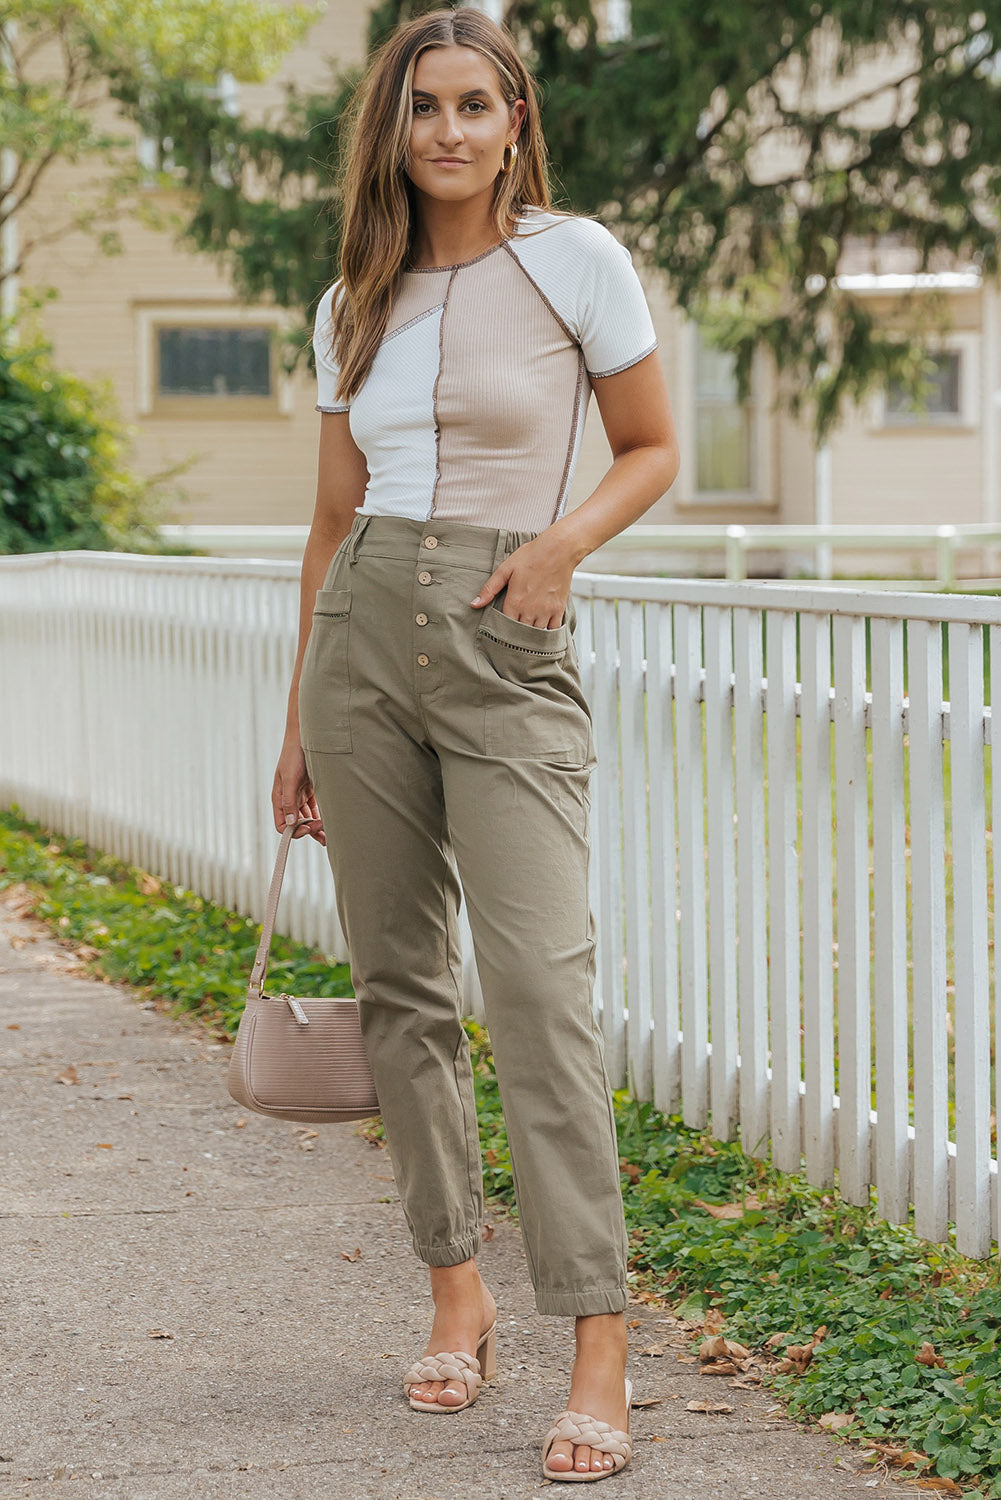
(378,207)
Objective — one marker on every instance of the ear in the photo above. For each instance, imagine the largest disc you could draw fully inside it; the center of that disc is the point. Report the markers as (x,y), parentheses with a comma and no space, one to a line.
(519,109)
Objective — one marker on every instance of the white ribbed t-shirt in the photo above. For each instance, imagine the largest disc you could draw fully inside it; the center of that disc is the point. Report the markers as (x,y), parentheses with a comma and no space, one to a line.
(474,407)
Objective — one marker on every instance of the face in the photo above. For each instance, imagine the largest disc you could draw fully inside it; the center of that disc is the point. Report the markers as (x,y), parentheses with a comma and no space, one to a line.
(460,124)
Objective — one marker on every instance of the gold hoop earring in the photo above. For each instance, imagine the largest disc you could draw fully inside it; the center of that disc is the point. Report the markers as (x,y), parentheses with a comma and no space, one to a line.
(506,165)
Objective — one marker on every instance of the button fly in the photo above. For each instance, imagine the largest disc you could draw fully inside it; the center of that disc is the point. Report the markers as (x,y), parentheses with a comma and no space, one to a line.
(423,661)
(424,578)
(431,541)
(421,619)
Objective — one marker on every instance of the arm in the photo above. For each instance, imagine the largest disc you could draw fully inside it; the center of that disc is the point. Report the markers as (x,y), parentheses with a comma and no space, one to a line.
(636,414)
(340,487)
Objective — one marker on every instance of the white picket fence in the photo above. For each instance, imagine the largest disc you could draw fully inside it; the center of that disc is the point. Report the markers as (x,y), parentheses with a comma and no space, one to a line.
(792,866)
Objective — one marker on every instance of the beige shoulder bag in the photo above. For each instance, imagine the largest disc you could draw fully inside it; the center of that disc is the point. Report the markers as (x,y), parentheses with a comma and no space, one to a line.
(298,1058)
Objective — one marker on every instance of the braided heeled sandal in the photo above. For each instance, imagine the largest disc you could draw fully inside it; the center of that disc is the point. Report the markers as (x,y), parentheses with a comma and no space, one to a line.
(455,1365)
(601,1437)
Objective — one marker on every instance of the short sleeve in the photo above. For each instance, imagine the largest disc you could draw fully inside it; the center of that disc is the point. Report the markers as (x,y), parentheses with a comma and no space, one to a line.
(326,367)
(613,319)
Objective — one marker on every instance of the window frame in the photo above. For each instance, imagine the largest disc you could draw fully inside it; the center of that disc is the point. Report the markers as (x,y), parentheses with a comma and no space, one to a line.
(151,402)
(966,344)
(759,494)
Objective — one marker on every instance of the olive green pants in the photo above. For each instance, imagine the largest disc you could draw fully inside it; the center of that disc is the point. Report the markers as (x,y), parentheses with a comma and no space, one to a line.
(440,738)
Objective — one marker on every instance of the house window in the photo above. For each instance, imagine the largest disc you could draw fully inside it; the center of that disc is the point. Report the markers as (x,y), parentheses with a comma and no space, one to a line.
(209,362)
(944,393)
(724,426)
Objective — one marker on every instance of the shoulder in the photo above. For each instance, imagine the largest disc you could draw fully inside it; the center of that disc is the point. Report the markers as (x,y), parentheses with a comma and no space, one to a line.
(325,306)
(548,232)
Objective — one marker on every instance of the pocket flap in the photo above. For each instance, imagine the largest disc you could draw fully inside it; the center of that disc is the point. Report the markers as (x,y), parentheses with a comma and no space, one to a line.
(332,602)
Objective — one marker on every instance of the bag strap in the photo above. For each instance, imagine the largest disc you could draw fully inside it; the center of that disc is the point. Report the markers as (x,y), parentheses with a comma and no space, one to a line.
(259,970)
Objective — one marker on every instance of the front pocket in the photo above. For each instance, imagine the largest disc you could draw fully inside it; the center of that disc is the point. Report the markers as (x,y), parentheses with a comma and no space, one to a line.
(324,683)
(534,707)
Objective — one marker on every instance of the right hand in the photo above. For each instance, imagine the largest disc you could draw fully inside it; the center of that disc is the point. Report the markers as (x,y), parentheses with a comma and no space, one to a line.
(292,794)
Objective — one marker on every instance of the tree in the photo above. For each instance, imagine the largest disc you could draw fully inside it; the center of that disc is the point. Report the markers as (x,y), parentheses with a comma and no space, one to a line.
(738,148)
(61,59)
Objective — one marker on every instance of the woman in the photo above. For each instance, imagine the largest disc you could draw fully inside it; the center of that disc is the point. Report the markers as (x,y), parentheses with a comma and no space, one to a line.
(436,721)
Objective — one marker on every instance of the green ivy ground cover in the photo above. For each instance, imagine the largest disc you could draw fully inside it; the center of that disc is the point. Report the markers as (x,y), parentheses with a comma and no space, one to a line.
(790,1260)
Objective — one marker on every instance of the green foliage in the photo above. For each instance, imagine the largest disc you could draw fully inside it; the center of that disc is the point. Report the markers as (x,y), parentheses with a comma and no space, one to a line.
(168,942)
(127,47)
(725,144)
(792,1260)
(64,482)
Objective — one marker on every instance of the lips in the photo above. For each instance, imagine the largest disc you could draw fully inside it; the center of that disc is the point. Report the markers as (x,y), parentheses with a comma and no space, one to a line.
(450,161)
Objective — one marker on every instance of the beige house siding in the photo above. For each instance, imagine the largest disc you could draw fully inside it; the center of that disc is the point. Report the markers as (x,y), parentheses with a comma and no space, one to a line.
(259,467)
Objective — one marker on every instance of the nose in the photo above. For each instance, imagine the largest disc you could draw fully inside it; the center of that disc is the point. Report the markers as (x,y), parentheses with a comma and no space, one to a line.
(449,128)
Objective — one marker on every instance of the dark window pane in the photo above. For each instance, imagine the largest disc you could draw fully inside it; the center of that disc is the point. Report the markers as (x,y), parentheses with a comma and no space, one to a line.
(943,392)
(215,361)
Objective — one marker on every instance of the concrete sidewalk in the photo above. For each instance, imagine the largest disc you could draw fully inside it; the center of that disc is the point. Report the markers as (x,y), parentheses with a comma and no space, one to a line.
(202,1302)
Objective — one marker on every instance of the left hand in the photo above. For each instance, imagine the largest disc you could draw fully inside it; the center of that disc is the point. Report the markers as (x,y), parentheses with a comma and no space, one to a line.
(537,576)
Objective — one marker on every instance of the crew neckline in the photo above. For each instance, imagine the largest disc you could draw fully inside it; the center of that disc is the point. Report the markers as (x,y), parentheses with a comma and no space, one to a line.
(456,265)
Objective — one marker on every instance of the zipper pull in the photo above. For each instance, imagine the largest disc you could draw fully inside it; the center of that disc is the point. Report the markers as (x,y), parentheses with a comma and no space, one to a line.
(296,1009)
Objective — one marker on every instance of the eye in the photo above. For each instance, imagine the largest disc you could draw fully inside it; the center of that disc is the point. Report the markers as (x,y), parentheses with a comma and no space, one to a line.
(420,105)
(476,104)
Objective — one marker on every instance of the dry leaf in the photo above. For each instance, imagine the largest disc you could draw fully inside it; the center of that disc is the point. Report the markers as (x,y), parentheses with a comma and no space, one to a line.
(749,1381)
(648,1401)
(68,1075)
(713,1320)
(720,1367)
(776,1339)
(945,1486)
(655,1351)
(635,1323)
(685,1359)
(148,884)
(711,1408)
(926,1356)
(487,1233)
(241,1122)
(13,1026)
(85,952)
(729,1210)
(158,1333)
(833,1421)
(352,1255)
(104,1145)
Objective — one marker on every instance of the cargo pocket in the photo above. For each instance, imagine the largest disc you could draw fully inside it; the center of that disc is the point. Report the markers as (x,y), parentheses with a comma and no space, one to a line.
(534,707)
(324,685)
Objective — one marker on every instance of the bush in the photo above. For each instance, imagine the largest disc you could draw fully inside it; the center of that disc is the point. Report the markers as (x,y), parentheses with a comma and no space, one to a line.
(64,481)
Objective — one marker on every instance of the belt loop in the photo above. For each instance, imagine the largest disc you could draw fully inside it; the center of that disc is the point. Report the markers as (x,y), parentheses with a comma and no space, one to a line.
(501,548)
(357,532)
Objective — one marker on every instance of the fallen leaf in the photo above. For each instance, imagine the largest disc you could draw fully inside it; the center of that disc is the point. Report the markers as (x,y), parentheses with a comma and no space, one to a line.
(13,1026)
(711,1408)
(148,884)
(926,1356)
(776,1339)
(655,1351)
(158,1333)
(713,1320)
(241,1122)
(105,1145)
(648,1401)
(352,1255)
(635,1323)
(833,1421)
(749,1381)
(729,1210)
(634,1172)
(720,1367)
(945,1486)
(487,1233)
(68,1074)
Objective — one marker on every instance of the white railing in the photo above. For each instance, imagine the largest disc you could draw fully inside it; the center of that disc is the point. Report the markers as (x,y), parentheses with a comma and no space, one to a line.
(793,861)
(644,549)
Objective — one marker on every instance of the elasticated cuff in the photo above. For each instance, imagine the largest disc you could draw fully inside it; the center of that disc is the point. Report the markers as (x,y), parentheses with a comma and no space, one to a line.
(583,1303)
(453,1253)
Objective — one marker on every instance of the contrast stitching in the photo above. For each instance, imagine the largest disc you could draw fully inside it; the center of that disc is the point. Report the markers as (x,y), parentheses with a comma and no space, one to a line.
(456,265)
(541,294)
(564,482)
(438,307)
(434,391)
(600,374)
(529,650)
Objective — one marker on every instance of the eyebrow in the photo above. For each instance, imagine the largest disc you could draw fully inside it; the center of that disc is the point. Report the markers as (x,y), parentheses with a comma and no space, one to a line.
(426,94)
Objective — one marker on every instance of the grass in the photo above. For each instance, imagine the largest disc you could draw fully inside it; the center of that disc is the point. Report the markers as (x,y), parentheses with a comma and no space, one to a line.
(784,1261)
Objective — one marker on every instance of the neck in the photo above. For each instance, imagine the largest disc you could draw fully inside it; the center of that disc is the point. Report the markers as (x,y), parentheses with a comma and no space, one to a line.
(449,232)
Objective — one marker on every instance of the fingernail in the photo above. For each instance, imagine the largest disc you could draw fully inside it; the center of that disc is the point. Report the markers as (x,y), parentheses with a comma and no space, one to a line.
(476,600)
(289,818)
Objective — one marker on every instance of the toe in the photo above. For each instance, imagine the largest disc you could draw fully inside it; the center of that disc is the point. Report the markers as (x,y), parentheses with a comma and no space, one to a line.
(453,1393)
(582,1458)
(560,1458)
(597,1460)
